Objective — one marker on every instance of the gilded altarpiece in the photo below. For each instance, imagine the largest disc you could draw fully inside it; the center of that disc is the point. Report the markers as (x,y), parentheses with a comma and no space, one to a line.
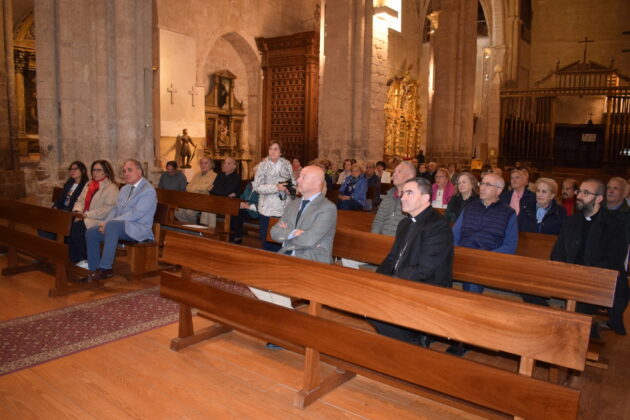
(290,92)
(224,118)
(402,118)
(25,86)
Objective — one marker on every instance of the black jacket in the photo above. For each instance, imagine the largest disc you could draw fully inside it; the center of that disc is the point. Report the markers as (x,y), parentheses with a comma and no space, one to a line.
(428,256)
(551,222)
(225,185)
(527,204)
(61,200)
(605,247)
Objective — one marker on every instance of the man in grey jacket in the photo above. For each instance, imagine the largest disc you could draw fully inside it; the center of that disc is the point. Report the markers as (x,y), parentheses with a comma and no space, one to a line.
(307,226)
(389,212)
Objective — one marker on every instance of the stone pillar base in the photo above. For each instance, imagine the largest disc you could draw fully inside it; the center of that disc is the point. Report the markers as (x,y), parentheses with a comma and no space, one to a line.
(12,184)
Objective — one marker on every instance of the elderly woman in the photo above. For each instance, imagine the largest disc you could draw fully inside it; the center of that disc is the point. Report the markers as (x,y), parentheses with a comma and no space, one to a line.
(347,168)
(467,191)
(92,207)
(353,191)
(548,215)
(443,190)
(271,181)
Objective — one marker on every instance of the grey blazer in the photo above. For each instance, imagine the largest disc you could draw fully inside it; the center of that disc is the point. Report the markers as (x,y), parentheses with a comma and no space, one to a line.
(318,221)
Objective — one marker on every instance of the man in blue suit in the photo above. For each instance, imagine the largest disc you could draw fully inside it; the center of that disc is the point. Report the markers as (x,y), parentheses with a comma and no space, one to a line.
(130,220)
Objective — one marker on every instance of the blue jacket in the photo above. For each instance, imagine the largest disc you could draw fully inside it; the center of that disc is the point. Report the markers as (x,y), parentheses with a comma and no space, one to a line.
(360,189)
(491,228)
(551,223)
(137,211)
(526,204)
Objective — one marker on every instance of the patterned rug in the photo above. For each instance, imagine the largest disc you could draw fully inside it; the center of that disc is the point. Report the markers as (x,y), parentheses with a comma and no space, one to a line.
(35,339)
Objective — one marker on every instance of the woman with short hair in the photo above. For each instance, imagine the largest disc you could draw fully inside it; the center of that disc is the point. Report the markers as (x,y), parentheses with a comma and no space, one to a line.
(443,190)
(353,191)
(548,215)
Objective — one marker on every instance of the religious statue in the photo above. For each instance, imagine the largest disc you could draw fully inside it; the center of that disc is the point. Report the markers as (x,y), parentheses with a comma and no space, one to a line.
(223,135)
(185,151)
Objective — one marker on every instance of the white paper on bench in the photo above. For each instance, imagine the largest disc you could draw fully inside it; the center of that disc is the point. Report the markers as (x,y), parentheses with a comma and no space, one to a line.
(196,226)
(271,297)
(351,263)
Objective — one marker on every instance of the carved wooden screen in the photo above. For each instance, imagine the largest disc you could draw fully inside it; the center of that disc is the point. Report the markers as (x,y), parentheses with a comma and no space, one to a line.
(290,92)
(527,128)
(617,146)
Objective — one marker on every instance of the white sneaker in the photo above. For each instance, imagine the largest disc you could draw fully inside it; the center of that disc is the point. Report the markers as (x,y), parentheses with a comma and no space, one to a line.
(83,264)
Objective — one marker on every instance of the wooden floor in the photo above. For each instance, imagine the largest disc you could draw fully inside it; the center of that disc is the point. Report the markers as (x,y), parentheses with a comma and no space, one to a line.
(233,376)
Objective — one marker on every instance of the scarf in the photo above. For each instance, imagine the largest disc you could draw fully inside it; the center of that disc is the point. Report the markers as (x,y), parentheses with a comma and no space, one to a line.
(93,186)
(349,190)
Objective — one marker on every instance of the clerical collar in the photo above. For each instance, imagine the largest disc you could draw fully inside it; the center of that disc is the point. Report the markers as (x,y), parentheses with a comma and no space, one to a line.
(591,217)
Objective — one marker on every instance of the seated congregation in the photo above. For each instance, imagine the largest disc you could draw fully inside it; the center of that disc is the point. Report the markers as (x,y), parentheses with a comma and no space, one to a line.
(427,216)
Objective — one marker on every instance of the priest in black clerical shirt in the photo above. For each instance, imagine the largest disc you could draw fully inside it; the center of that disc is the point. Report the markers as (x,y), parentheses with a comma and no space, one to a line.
(422,251)
(595,237)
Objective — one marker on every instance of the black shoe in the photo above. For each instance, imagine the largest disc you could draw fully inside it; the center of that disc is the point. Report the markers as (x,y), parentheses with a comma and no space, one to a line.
(100,274)
(457,349)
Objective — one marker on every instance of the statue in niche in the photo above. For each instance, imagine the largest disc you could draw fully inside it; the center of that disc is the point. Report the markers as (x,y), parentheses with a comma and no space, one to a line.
(185,151)
(223,134)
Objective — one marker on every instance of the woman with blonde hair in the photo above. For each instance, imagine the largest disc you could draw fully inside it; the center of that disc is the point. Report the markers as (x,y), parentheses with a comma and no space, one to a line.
(548,215)
(467,191)
(443,190)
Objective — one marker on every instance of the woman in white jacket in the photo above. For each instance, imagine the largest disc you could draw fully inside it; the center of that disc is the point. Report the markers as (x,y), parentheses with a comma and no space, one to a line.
(273,175)
(92,207)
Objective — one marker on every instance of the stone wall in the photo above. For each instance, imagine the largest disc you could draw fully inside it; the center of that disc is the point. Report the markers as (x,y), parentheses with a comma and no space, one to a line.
(94,83)
(558,25)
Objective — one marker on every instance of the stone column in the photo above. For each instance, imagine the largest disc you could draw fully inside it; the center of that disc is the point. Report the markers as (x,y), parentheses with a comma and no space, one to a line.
(11,178)
(94,83)
(450,128)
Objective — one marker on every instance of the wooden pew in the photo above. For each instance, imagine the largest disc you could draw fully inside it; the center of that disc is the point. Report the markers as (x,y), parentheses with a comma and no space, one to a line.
(200,202)
(19,234)
(535,245)
(535,333)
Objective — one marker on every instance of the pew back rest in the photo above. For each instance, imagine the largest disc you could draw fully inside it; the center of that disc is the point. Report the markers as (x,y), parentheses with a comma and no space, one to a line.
(508,272)
(538,333)
(199,202)
(36,217)
(535,245)
(358,220)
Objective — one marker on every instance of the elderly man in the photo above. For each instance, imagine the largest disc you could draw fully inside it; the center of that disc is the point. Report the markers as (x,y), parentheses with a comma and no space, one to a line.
(520,197)
(389,213)
(422,251)
(596,238)
(228,183)
(569,190)
(201,183)
(130,220)
(487,223)
(172,178)
(307,226)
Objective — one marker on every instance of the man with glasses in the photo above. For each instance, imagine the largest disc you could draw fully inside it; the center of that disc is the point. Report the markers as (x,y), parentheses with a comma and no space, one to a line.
(596,238)
(486,224)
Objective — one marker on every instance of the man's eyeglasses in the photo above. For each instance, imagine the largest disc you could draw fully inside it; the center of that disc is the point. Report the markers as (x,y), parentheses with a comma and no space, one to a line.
(487,184)
(586,192)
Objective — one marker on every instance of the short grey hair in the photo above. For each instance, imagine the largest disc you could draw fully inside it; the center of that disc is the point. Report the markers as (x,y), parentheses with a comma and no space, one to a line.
(423,184)
(137,163)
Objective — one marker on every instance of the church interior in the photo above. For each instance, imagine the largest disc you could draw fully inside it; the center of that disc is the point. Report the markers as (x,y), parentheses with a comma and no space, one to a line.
(505,83)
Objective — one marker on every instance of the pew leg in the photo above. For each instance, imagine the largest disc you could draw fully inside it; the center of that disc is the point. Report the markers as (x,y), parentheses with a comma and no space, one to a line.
(312,386)
(186,334)
(143,260)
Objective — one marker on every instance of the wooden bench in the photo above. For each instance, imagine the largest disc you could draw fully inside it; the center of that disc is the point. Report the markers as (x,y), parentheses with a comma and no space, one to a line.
(548,279)
(532,333)
(19,234)
(199,202)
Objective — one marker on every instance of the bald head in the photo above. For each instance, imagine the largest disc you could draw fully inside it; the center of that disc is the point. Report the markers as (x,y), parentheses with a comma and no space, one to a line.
(311,181)
(402,173)
(229,165)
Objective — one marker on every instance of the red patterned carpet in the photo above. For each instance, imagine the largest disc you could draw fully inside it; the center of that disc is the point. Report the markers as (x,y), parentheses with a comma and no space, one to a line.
(35,339)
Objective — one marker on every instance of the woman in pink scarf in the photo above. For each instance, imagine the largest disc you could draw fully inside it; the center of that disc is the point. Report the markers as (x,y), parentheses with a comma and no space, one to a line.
(443,190)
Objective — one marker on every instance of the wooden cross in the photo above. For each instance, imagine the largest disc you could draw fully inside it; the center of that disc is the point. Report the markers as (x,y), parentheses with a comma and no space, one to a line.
(171,90)
(192,92)
(585,42)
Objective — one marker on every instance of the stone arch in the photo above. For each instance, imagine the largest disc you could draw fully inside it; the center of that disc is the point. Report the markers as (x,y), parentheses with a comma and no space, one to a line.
(250,59)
